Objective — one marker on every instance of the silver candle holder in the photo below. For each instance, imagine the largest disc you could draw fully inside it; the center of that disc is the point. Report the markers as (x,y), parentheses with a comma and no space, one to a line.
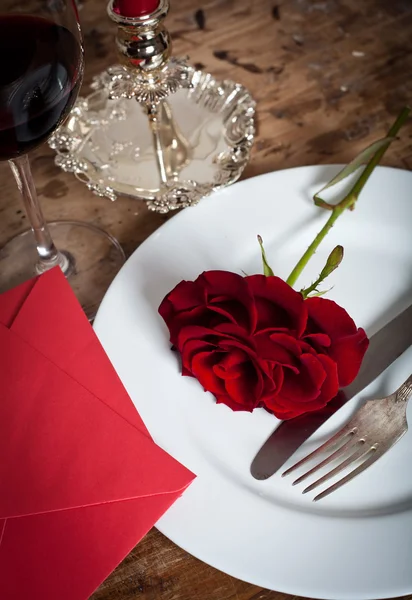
(154,128)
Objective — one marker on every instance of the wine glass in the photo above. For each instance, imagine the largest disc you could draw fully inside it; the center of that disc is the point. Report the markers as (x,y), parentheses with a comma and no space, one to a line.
(41,54)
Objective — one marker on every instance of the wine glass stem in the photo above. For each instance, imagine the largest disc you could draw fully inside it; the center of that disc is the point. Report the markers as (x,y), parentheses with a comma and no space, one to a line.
(48,255)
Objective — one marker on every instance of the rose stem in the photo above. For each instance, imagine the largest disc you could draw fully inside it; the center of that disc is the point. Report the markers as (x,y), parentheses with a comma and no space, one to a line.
(348,200)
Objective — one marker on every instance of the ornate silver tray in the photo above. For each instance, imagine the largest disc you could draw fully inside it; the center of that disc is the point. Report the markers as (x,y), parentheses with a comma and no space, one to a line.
(206,129)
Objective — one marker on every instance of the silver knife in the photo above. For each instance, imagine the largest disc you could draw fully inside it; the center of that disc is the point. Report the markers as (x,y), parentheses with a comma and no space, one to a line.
(385,347)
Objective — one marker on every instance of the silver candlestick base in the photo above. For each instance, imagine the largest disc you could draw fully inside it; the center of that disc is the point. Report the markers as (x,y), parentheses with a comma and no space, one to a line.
(154,128)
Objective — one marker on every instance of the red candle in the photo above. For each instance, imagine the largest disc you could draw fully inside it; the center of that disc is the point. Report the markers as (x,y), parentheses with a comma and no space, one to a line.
(135,8)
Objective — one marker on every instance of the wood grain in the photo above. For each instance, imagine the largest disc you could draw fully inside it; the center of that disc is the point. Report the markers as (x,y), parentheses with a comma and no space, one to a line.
(328,76)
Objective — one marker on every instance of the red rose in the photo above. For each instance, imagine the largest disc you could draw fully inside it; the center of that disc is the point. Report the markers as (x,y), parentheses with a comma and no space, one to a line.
(255,342)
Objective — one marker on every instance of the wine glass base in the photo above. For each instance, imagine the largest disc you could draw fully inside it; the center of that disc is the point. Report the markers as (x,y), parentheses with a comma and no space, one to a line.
(96,257)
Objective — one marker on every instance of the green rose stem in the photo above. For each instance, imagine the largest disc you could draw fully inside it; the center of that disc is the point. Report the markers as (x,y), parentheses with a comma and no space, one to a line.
(349,200)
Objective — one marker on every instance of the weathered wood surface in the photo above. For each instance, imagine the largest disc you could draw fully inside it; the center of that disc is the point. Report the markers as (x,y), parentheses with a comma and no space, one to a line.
(328,76)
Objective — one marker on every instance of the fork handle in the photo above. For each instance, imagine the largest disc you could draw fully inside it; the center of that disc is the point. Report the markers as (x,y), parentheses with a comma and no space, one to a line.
(405,391)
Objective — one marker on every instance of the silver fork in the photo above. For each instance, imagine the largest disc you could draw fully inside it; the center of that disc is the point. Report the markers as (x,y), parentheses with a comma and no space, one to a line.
(373,430)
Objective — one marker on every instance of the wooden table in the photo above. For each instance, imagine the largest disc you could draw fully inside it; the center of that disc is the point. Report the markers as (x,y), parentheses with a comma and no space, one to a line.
(329,76)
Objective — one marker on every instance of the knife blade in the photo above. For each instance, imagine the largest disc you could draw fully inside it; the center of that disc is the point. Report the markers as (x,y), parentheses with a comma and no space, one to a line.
(385,346)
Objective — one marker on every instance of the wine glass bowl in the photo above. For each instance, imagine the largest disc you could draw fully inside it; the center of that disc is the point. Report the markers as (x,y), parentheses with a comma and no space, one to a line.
(40,83)
(42,67)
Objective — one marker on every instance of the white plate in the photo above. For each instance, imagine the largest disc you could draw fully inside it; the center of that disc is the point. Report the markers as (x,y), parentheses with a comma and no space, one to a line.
(357,543)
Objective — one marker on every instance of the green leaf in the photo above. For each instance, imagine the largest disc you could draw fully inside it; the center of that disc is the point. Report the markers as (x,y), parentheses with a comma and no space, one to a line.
(266,268)
(333,262)
(350,168)
(317,294)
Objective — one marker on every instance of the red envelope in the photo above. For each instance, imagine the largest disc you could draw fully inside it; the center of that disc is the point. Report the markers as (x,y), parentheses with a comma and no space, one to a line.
(81,481)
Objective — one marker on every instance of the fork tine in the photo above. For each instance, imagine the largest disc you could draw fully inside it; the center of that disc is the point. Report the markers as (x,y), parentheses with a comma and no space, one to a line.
(372,456)
(345,463)
(350,443)
(329,444)
(377,452)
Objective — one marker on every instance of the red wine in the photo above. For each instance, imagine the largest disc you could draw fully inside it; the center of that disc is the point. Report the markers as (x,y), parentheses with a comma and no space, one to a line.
(41,67)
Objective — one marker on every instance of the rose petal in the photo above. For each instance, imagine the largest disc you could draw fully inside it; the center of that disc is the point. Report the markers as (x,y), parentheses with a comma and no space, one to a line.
(214,297)
(234,373)
(233,359)
(230,311)
(278,305)
(292,411)
(326,316)
(202,368)
(307,348)
(192,347)
(330,386)
(185,296)
(305,386)
(219,282)
(246,389)
(286,341)
(229,330)
(284,408)
(195,332)
(186,372)
(230,365)
(348,353)
(230,293)
(223,331)
(317,339)
(272,386)
(281,408)
(280,348)
(176,321)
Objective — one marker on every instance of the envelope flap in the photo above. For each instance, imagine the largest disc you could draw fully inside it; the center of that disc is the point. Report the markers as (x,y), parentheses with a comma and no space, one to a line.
(64,448)
(12,301)
(65,555)
(53,322)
